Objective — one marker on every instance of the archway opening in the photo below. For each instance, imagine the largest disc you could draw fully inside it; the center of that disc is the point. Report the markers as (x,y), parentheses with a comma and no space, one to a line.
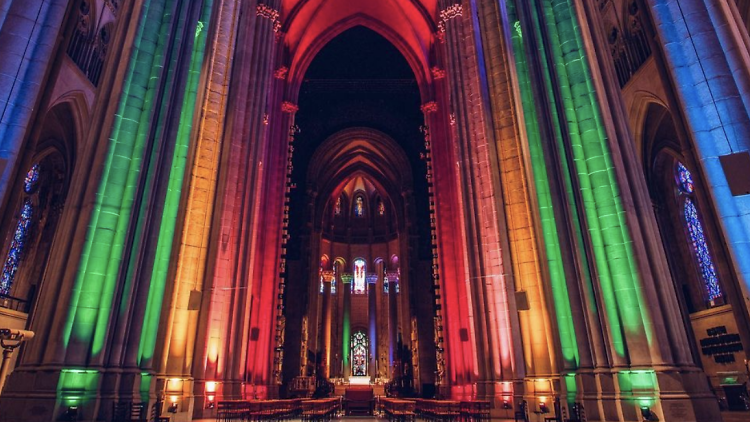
(364,201)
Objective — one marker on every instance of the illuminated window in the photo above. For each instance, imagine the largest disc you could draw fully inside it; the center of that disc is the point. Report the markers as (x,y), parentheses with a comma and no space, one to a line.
(333,286)
(359,354)
(381,207)
(17,244)
(32,179)
(385,285)
(694,226)
(337,207)
(359,206)
(358,286)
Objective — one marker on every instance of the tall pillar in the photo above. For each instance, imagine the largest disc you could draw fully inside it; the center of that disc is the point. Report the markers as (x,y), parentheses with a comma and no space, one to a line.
(230,339)
(372,287)
(326,327)
(488,339)
(346,328)
(392,320)
(175,358)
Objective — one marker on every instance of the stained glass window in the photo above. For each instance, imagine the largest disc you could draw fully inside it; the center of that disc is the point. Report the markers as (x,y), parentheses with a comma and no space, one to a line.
(322,284)
(697,237)
(359,354)
(15,253)
(381,207)
(359,206)
(32,179)
(333,286)
(358,286)
(337,207)
(385,285)
(684,179)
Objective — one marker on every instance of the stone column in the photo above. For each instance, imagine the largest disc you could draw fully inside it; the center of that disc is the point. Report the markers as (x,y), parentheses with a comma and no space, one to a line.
(392,320)
(372,287)
(490,340)
(326,327)
(174,360)
(229,341)
(346,328)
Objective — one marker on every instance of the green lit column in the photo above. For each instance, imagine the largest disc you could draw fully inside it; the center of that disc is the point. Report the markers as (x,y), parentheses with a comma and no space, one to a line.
(174,189)
(602,201)
(346,337)
(98,278)
(91,303)
(555,263)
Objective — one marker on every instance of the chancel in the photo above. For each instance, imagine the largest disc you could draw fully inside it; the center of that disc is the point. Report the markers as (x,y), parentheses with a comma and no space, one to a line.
(528,210)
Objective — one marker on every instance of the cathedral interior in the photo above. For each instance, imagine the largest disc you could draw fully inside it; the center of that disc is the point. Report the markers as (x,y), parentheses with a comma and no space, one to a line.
(537,206)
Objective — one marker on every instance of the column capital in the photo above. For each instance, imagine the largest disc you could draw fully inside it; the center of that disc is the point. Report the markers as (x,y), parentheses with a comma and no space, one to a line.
(372,278)
(289,107)
(328,276)
(449,12)
(267,12)
(346,278)
(429,107)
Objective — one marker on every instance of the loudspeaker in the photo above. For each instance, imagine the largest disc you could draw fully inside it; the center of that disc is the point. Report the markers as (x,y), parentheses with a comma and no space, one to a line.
(194,301)
(737,171)
(464,334)
(522,301)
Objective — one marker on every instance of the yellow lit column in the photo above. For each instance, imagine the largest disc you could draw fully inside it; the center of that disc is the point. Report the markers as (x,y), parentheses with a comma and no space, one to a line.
(327,325)
(537,329)
(176,356)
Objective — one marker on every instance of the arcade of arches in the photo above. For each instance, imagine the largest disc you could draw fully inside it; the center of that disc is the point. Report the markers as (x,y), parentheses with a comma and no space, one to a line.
(538,203)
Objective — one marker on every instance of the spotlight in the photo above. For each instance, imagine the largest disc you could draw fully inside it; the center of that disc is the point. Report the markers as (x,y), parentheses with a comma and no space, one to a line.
(543,407)
(647,414)
(173,405)
(71,414)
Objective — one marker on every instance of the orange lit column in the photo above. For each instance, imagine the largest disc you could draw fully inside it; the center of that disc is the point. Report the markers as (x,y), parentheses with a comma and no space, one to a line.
(529,270)
(372,287)
(225,329)
(176,357)
(346,327)
(326,328)
(392,320)
(489,285)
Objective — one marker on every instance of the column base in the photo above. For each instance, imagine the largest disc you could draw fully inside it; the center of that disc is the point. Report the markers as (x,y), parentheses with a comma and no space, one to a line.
(634,395)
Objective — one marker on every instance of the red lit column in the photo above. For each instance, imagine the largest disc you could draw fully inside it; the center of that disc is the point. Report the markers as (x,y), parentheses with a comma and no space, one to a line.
(372,287)
(488,339)
(224,339)
(326,328)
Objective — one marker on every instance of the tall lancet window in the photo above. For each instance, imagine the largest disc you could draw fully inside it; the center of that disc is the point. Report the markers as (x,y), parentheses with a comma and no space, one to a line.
(358,284)
(381,207)
(695,229)
(359,354)
(21,234)
(337,207)
(359,206)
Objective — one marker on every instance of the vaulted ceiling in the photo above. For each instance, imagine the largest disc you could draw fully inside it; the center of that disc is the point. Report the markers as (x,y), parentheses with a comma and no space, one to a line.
(408,24)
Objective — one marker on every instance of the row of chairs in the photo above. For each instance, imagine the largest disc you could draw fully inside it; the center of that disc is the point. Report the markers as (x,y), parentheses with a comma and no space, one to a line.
(398,410)
(321,410)
(258,410)
(436,410)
